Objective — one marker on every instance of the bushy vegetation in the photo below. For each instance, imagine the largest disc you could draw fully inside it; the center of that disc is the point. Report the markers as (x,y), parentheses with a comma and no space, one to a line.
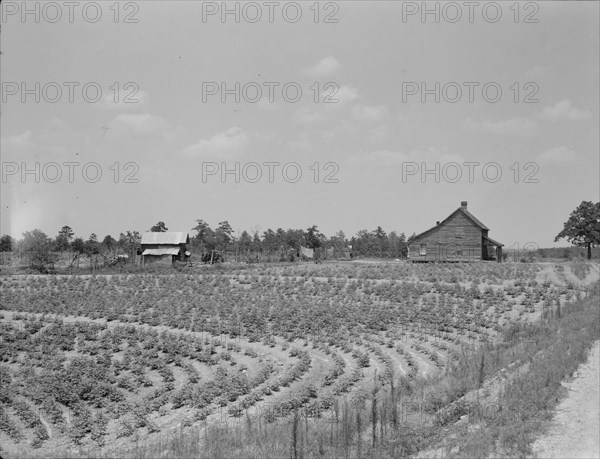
(399,419)
(94,359)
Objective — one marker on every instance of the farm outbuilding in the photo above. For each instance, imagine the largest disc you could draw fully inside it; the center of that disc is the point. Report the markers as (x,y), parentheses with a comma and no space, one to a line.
(460,237)
(164,247)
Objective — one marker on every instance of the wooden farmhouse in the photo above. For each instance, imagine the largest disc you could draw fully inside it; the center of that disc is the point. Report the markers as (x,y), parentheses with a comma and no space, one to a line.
(460,237)
(164,248)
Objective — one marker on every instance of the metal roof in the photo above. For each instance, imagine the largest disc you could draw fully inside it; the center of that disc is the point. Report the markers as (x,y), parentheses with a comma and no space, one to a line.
(173,251)
(167,237)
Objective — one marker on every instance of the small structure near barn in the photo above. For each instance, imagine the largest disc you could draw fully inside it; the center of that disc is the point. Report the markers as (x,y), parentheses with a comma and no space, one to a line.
(460,237)
(164,247)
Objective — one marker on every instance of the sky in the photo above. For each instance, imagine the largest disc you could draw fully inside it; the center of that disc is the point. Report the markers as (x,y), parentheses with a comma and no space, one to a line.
(345,115)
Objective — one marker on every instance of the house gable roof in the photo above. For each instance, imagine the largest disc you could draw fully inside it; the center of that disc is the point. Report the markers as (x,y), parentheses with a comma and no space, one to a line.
(473,219)
(165,238)
(466,213)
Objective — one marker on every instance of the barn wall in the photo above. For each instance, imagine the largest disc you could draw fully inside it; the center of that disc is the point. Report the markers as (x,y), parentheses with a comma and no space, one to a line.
(158,260)
(182,248)
(164,246)
(448,239)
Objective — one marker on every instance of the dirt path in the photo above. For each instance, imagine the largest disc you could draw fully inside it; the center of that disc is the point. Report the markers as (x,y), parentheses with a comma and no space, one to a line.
(575,430)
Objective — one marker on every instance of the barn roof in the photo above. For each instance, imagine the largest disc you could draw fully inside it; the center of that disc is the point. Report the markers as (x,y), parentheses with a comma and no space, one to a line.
(467,214)
(172,251)
(166,237)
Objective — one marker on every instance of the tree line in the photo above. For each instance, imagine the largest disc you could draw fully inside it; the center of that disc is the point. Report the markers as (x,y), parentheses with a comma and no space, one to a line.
(269,245)
(582,229)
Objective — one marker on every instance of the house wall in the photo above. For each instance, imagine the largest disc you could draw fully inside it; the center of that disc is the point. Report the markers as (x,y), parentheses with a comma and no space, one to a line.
(457,239)
(491,252)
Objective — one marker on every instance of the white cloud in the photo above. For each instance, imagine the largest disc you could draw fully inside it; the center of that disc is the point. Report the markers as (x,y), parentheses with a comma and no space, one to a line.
(227,142)
(27,210)
(386,156)
(126,100)
(174,134)
(328,111)
(305,115)
(57,123)
(266,104)
(21,141)
(379,133)
(344,94)
(326,66)
(563,110)
(536,72)
(518,126)
(429,156)
(558,155)
(143,124)
(370,113)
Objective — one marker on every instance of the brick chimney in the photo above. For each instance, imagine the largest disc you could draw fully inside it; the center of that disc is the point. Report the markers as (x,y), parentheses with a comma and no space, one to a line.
(463,205)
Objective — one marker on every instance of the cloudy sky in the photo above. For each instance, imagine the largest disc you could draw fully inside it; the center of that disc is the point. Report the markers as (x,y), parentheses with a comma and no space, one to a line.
(360,98)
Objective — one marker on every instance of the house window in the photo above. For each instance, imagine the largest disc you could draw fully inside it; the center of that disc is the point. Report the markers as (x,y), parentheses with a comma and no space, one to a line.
(459,252)
(422,249)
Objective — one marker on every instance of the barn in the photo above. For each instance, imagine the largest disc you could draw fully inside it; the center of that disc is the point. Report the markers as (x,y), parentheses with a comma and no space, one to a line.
(164,247)
(460,237)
